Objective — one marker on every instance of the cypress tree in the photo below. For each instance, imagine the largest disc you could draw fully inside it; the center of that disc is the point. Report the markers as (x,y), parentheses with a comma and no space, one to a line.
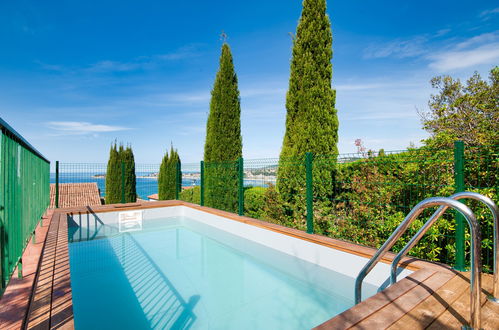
(223,145)
(162,178)
(128,159)
(168,173)
(113,176)
(177,167)
(311,120)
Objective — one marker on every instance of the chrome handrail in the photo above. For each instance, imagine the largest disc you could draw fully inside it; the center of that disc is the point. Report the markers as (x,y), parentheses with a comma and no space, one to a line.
(475,279)
(458,196)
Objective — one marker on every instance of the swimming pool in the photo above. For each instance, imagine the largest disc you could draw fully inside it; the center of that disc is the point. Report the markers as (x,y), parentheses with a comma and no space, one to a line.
(184,268)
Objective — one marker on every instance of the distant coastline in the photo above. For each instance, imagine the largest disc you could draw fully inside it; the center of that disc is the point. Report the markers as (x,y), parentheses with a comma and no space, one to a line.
(251,175)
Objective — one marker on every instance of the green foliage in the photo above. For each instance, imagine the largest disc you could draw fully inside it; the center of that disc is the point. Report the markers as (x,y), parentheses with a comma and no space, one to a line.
(169,175)
(373,194)
(274,209)
(376,193)
(223,145)
(254,200)
(113,176)
(463,112)
(117,156)
(128,159)
(311,120)
(163,178)
(191,195)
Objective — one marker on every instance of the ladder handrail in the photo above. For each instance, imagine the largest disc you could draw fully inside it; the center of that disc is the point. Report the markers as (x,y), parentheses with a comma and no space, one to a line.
(458,196)
(475,279)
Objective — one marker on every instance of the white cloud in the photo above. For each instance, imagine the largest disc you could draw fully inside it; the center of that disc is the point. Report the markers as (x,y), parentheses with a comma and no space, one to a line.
(398,48)
(108,66)
(442,32)
(487,13)
(384,116)
(269,91)
(81,128)
(478,50)
(358,87)
(138,63)
(479,39)
(145,62)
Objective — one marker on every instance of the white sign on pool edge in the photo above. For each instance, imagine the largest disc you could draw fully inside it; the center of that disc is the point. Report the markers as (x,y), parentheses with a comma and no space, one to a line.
(130,221)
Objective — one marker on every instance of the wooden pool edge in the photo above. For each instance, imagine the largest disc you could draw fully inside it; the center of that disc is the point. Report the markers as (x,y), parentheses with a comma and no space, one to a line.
(51,305)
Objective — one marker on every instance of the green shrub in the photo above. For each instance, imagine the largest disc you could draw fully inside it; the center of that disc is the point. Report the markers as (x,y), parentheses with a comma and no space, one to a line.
(254,202)
(191,195)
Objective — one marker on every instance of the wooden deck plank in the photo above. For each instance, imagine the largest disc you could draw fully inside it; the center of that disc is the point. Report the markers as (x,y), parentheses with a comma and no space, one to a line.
(39,311)
(371,305)
(490,315)
(458,313)
(426,312)
(15,300)
(62,307)
(404,304)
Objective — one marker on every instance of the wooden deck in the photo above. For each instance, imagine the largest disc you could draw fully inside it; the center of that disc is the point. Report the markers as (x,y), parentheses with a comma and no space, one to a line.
(432,297)
(429,300)
(76,194)
(15,300)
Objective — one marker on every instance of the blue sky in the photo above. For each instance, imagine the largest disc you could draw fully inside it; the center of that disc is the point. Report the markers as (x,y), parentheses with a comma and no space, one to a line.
(76,75)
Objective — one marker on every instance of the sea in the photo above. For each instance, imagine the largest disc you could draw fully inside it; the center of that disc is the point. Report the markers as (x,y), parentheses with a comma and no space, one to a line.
(146,184)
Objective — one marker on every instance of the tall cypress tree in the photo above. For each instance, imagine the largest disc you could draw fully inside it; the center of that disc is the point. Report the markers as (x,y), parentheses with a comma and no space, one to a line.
(223,144)
(126,155)
(168,173)
(162,178)
(113,176)
(177,167)
(311,121)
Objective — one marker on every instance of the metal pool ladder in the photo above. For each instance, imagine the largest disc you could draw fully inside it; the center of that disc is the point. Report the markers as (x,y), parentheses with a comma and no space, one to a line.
(462,195)
(445,203)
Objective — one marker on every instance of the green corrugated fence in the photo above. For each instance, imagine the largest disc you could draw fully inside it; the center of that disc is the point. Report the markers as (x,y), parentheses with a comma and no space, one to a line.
(24,196)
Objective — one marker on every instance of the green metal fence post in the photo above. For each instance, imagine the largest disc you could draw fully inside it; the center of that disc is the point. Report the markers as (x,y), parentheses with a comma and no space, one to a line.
(57,184)
(201,197)
(310,194)
(178,183)
(240,168)
(459,186)
(122,182)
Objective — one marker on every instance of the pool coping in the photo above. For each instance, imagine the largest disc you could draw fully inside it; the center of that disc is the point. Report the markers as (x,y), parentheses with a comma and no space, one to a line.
(51,300)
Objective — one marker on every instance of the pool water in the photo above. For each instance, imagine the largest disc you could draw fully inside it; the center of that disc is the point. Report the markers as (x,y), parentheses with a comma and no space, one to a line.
(177,273)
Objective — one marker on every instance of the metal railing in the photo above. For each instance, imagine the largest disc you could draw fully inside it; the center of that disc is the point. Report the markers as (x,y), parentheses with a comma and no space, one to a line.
(416,238)
(474,227)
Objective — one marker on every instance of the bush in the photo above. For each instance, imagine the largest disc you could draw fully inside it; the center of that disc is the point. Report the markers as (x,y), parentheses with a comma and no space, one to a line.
(254,202)
(191,195)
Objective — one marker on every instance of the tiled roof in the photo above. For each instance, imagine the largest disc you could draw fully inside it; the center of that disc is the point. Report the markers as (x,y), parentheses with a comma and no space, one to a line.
(76,194)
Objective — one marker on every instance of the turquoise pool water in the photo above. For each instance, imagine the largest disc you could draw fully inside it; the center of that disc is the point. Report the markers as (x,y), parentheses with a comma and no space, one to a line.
(178,273)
